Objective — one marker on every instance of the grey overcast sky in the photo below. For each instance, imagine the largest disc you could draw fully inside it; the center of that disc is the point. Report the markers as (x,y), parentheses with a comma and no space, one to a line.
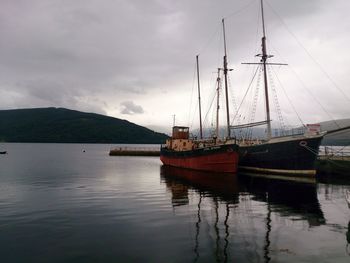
(135,59)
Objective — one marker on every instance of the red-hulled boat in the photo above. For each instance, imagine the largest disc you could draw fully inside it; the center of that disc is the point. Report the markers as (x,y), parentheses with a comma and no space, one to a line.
(204,155)
(212,155)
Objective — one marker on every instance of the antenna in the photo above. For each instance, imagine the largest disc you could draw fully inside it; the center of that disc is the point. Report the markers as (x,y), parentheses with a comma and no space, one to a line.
(226,85)
(218,102)
(264,56)
(199,101)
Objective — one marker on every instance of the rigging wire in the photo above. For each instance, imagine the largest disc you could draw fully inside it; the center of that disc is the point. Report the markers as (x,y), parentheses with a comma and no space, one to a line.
(250,84)
(309,54)
(275,100)
(206,120)
(252,110)
(205,46)
(194,115)
(289,100)
(310,93)
(234,101)
(216,31)
(341,149)
(233,94)
(317,101)
(193,84)
(240,10)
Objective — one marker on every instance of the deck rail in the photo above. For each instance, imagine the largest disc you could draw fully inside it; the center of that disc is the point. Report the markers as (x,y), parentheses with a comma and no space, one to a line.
(330,152)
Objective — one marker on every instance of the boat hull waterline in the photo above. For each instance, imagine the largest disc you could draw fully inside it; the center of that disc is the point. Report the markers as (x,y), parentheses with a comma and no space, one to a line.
(218,158)
(295,155)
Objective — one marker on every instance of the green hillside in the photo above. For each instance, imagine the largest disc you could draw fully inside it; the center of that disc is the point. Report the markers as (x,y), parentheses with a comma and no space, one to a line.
(61,125)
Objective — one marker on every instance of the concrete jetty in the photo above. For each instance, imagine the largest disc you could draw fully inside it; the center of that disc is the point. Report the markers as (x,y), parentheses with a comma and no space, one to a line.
(334,163)
(134,151)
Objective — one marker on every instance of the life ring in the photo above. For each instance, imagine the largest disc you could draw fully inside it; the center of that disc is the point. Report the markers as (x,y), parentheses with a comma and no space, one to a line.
(303,143)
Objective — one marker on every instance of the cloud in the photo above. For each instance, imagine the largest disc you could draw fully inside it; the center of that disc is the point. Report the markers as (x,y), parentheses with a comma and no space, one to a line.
(93,55)
(130,108)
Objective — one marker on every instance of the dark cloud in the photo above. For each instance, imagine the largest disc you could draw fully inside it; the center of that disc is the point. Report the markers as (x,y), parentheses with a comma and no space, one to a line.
(130,108)
(92,55)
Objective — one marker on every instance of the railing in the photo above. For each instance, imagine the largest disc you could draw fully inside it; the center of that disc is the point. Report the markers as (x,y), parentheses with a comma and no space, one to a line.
(337,152)
(289,132)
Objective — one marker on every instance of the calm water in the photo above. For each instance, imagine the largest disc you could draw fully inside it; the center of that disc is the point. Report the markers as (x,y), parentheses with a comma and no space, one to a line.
(59,203)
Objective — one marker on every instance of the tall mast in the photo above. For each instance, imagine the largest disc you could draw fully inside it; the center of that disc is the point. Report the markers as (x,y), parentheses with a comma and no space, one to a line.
(226,86)
(264,58)
(217,103)
(199,101)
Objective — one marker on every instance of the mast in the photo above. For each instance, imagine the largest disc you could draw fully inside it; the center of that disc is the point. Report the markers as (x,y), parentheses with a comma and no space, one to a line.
(199,101)
(226,85)
(217,103)
(264,58)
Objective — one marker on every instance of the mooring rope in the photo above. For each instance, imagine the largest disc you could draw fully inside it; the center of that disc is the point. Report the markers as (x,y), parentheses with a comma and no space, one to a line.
(310,149)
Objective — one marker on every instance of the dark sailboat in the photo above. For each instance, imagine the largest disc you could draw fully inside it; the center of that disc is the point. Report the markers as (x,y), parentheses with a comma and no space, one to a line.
(293,154)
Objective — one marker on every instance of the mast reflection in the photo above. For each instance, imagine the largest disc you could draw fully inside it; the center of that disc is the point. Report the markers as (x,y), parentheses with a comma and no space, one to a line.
(220,188)
(288,198)
(348,240)
(230,198)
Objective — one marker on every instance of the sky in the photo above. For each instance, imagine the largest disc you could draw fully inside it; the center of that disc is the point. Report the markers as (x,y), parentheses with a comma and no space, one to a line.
(135,59)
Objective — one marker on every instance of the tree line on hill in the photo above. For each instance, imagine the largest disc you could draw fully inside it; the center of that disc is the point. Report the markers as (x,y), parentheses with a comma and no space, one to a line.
(60,125)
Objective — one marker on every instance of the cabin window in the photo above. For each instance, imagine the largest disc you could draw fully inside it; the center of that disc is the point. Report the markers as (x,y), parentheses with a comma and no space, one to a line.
(184,144)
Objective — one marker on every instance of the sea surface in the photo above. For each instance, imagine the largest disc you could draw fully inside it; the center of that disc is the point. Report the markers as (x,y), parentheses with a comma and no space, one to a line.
(75,203)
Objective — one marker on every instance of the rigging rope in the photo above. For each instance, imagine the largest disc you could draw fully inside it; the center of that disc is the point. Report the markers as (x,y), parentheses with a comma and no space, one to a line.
(309,54)
(240,10)
(193,84)
(310,149)
(250,84)
(206,120)
(289,100)
(252,111)
(317,101)
(276,102)
(304,86)
(216,31)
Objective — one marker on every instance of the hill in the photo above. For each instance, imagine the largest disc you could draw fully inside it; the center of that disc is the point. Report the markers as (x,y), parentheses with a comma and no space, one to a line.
(341,138)
(60,125)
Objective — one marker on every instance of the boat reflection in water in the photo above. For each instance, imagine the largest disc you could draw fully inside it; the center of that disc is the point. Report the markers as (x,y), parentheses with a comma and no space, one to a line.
(348,239)
(289,198)
(242,218)
(221,186)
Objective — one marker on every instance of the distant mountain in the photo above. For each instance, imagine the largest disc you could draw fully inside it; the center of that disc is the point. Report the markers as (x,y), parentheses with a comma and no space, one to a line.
(341,138)
(59,125)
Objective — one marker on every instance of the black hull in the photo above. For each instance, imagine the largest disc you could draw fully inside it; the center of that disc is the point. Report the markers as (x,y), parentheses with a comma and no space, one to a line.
(289,155)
